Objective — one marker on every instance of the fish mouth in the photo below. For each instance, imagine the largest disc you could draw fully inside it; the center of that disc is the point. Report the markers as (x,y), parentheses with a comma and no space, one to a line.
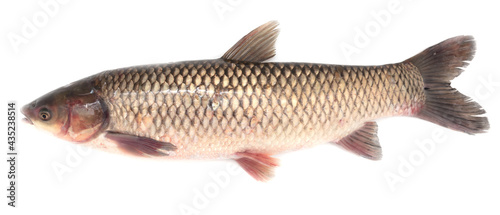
(25,111)
(27,120)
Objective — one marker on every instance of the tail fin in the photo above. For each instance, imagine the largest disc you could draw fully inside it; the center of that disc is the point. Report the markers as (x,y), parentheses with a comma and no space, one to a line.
(444,105)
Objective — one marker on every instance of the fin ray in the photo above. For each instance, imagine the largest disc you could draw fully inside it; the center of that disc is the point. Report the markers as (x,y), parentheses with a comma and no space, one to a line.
(444,105)
(256,46)
(141,146)
(363,141)
(259,166)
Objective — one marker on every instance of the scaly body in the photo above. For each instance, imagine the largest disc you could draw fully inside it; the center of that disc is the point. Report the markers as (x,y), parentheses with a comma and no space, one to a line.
(213,109)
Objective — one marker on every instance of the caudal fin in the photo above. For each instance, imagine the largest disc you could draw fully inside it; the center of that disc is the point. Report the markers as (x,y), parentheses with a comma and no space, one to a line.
(444,105)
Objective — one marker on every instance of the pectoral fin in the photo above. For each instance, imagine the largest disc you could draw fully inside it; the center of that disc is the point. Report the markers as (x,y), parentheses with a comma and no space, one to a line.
(259,166)
(364,142)
(140,146)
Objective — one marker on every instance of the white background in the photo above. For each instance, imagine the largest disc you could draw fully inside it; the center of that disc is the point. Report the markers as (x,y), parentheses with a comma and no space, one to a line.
(461,175)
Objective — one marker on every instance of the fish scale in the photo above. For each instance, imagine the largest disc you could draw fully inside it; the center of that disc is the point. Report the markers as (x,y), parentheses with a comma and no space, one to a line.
(219,108)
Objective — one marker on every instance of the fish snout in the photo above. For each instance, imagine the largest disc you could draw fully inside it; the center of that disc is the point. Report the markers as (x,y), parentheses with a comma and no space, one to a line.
(27,111)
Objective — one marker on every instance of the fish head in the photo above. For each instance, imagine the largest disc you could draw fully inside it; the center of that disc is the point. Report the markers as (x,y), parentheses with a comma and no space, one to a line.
(74,112)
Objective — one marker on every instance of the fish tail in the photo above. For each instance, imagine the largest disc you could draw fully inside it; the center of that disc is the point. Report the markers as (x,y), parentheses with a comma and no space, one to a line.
(444,105)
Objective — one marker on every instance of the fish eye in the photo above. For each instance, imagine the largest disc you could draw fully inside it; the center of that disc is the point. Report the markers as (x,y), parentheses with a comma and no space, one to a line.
(44,114)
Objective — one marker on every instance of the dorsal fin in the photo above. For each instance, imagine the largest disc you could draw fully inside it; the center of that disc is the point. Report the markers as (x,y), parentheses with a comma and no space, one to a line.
(256,46)
(363,141)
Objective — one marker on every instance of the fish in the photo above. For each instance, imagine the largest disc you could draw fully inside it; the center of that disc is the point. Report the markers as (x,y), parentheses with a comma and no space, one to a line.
(242,107)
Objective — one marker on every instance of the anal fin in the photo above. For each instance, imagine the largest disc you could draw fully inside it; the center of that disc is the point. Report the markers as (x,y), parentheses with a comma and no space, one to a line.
(364,142)
(259,166)
(140,146)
